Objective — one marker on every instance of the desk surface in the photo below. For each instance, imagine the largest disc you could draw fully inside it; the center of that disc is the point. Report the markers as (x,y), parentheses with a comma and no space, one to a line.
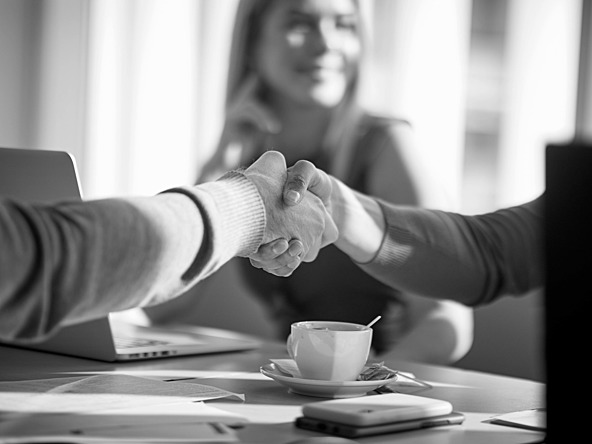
(272,409)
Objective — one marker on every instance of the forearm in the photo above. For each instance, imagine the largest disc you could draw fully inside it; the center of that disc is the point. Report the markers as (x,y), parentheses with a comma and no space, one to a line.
(359,220)
(469,259)
(77,261)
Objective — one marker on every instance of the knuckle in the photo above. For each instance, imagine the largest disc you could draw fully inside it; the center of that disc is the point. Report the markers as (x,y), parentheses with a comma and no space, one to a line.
(297,181)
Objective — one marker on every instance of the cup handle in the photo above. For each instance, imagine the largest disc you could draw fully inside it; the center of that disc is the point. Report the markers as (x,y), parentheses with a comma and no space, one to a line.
(289,346)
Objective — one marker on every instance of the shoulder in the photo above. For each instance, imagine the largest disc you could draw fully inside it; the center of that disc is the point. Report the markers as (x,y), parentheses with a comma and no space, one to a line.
(381,122)
(377,128)
(382,132)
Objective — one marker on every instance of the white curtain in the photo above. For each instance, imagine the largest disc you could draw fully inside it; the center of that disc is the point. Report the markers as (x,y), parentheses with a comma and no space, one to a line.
(540,91)
(134,88)
(157,71)
(156,76)
(418,69)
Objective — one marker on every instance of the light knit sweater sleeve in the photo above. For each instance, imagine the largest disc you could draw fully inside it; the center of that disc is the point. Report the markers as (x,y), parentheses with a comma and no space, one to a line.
(232,227)
(76,261)
(469,259)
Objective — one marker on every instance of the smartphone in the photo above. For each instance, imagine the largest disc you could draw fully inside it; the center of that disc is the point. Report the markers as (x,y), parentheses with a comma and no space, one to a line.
(376,409)
(352,431)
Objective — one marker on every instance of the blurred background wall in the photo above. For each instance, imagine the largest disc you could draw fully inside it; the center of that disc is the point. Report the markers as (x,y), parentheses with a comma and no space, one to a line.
(134,89)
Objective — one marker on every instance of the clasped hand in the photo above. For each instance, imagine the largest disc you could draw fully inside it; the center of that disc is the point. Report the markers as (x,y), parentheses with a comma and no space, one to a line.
(299,221)
(308,225)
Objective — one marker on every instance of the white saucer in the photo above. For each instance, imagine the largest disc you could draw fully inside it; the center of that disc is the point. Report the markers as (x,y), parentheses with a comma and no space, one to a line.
(323,389)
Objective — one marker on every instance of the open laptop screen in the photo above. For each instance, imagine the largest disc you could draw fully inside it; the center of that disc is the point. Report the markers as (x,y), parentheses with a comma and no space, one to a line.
(40,176)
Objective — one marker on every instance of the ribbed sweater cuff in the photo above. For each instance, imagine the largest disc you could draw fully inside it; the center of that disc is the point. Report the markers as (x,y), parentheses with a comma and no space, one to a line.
(238,224)
(234,218)
(397,244)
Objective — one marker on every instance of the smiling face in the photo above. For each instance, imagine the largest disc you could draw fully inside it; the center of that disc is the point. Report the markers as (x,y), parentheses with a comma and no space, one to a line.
(308,50)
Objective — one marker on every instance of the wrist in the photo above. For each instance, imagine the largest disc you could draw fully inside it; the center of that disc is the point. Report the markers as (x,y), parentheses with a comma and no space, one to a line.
(237,214)
(360,222)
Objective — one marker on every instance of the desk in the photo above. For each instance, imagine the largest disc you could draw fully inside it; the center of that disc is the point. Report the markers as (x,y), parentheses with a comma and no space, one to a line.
(272,409)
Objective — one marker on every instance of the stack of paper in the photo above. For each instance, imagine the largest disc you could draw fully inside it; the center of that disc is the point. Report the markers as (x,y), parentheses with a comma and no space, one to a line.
(113,407)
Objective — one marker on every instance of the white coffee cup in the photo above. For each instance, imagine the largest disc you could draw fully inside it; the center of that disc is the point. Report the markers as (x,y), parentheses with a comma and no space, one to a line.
(328,350)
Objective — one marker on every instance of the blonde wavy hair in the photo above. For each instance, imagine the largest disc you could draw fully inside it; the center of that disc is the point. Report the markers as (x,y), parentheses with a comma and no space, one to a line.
(340,136)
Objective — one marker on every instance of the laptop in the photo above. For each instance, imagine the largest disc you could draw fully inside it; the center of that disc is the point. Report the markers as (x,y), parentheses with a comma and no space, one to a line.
(43,176)
(568,286)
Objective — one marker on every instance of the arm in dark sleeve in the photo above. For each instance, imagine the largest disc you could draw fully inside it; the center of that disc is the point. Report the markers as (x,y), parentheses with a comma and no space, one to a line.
(470,259)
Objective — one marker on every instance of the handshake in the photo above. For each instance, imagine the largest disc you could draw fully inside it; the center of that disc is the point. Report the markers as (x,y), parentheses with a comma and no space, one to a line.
(306,210)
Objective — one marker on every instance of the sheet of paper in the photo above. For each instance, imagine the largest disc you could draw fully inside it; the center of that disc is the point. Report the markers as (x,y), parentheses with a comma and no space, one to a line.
(107,407)
(99,392)
(146,432)
(287,366)
(178,374)
(162,415)
(534,419)
(202,411)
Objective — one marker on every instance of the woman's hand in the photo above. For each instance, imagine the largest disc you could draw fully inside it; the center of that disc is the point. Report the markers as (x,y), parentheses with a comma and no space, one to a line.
(247,110)
(247,122)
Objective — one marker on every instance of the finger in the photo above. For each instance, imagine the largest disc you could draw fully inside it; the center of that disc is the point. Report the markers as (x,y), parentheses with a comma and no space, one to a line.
(302,176)
(295,247)
(255,263)
(284,271)
(276,268)
(311,254)
(271,250)
(267,259)
(284,260)
(280,273)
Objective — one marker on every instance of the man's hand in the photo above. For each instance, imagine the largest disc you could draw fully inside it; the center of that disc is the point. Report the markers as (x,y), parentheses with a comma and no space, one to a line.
(309,222)
(278,257)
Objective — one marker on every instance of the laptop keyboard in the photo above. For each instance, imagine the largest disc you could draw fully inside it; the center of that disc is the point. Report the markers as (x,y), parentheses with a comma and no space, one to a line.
(122,342)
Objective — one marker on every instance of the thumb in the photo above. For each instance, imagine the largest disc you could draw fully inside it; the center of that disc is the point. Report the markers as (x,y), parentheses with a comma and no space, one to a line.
(302,176)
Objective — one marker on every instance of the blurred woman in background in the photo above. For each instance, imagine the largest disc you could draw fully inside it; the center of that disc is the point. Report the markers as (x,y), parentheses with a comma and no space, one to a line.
(293,82)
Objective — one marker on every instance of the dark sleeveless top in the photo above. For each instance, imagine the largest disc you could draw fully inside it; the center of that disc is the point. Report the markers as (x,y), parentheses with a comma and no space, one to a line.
(333,287)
